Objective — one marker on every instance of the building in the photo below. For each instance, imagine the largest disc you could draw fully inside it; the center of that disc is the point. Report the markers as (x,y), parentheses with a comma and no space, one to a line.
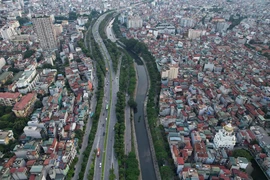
(193,34)
(6,136)
(165,28)
(225,138)
(9,99)
(170,72)
(28,80)
(45,32)
(134,22)
(58,29)
(2,63)
(25,106)
(5,76)
(33,131)
(7,32)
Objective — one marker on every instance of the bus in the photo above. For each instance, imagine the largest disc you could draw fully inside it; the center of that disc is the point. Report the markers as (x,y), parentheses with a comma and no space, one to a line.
(107,106)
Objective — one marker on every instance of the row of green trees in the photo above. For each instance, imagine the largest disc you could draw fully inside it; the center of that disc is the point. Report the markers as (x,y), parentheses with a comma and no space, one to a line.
(111,47)
(128,165)
(100,72)
(159,138)
(114,53)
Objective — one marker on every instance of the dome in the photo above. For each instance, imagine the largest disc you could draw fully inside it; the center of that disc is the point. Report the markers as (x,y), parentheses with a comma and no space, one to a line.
(229,127)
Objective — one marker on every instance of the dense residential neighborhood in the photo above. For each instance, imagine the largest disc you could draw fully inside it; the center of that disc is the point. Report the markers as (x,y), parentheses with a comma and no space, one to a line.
(206,91)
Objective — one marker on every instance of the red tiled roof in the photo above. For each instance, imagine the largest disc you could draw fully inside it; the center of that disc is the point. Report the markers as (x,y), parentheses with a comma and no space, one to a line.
(24,101)
(180,161)
(9,95)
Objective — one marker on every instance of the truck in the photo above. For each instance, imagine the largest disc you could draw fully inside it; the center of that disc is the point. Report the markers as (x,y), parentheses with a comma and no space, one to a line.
(98,151)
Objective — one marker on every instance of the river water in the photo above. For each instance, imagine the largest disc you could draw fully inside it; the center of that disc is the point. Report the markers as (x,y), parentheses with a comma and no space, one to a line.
(146,162)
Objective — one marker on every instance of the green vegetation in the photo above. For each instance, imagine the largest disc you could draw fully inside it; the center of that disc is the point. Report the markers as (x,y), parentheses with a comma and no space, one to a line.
(132,164)
(9,121)
(128,165)
(72,15)
(112,175)
(114,53)
(71,170)
(22,20)
(28,53)
(235,22)
(242,153)
(116,28)
(159,138)
(100,71)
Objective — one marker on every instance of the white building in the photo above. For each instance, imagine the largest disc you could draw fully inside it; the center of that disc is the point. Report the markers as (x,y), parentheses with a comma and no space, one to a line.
(82,20)
(7,32)
(33,131)
(28,80)
(165,28)
(225,138)
(2,63)
(134,22)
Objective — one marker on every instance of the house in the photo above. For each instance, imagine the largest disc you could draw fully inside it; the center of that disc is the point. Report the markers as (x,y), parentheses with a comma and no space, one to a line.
(9,99)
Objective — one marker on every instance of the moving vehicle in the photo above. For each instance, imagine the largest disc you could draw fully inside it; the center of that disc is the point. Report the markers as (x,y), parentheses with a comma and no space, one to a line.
(100,165)
(91,114)
(98,152)
(107,106)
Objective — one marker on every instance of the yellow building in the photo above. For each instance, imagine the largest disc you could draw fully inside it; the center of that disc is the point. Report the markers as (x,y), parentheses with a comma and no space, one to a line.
(25,106)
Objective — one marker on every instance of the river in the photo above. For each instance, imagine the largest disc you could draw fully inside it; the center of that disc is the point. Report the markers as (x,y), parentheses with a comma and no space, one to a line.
(146,161)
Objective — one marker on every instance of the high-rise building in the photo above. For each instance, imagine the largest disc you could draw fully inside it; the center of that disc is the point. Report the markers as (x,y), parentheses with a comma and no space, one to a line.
(45,32)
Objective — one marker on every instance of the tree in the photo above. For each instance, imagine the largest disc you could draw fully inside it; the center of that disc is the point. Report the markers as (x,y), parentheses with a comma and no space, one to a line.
(112,175)
(28,53)
(166,173)
(242,153)
(38,104)
(132,103)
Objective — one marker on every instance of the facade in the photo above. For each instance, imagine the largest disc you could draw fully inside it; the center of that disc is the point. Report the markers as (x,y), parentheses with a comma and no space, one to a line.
(45,32)
(6,136)
(225,137)
(7,32)
(165,28)
(58,29)
(28,80)
(170,72)
(25,106)
(134,22)
(2,63)
(33,131)
(9,99)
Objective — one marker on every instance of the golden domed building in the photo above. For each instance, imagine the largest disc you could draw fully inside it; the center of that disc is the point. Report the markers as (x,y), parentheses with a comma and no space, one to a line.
(225,138)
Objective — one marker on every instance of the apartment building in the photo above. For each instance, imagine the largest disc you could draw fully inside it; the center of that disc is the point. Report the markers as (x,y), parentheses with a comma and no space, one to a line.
(45,32)
(25,106)
(28,80)
(9,99)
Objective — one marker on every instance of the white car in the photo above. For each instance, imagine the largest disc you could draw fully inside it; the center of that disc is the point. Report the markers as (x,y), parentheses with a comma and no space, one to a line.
(106,119)
(100,165)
